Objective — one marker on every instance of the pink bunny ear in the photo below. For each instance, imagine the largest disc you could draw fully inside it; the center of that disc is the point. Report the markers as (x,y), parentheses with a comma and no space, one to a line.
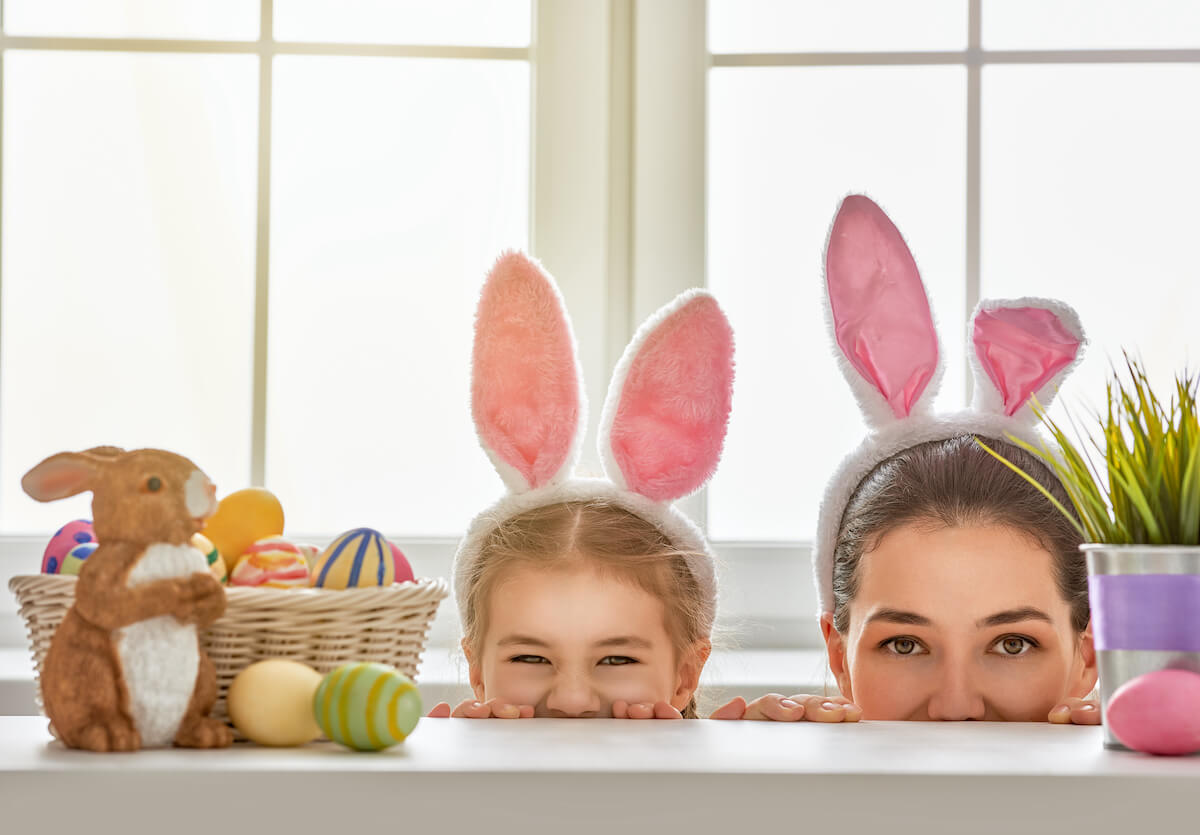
(62,475)
(525,385)
(1024,347)
(668,404)
(879,312)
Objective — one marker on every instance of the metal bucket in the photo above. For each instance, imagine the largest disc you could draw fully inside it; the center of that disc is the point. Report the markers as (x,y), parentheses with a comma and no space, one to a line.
(1145,602)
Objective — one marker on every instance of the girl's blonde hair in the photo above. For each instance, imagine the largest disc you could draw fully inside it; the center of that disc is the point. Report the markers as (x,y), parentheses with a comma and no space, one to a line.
(603,535)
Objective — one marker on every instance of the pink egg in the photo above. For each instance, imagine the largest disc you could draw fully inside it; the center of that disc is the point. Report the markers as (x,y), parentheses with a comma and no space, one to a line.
(404,572)
(1158,713)
(68,536)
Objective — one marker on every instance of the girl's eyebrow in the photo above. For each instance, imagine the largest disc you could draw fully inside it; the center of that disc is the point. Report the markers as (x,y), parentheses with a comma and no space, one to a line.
(624,641)
(523,640)
(1013,616)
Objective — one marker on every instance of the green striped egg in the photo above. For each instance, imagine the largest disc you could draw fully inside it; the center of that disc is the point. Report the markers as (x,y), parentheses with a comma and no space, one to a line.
(361,557)
(367,707)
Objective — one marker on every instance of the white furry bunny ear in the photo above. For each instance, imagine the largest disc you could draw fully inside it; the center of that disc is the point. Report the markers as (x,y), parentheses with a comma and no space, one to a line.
(879,314)
(1023,348)
(668,403)
(526,395)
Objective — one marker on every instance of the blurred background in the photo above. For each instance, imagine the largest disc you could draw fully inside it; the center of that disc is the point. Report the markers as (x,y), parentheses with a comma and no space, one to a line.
(254,232)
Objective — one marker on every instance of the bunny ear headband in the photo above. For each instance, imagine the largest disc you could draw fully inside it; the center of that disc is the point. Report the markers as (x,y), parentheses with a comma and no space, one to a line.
(879,316)
(661,430)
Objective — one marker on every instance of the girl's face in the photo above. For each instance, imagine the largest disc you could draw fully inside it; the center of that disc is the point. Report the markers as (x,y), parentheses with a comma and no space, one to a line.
(959,623)
(572,641)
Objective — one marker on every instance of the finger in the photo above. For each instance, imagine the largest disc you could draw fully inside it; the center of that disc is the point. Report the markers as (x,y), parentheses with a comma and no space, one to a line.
(666,710)
(775,708)
(620,709)
(462,709)
(440,711)
(734,709)
(502,710)
(1087,713)
(1060,715)
(480,710)
(526,712)
(641,711)
(852,712)
(824,709)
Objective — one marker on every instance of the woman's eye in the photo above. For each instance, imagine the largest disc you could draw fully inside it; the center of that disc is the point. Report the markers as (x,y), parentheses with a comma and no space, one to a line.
(904,646)
(1013,645)
(617,660)
(528,659)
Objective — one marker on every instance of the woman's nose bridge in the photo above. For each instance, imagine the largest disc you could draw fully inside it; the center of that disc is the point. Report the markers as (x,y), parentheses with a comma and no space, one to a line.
(956,693)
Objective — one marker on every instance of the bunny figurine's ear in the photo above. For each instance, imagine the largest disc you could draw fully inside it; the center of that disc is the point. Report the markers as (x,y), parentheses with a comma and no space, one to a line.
(879,314)
(62,475)
(1023,348)
(668,403)
(526,396)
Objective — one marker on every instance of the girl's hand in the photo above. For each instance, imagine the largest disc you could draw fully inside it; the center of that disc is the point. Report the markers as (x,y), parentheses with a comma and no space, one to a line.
(658,710)
(1076,712)
(474,709)
(776,708)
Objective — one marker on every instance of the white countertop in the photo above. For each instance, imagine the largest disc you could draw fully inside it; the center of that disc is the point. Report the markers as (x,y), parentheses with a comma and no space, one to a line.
(623,776)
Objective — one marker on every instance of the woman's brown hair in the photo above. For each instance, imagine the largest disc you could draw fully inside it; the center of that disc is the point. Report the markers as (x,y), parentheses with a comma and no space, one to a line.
(952,483)
(605,536)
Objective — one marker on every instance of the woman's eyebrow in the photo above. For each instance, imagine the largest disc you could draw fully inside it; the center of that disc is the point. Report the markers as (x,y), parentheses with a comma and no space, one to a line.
(899,616)
(1013,616)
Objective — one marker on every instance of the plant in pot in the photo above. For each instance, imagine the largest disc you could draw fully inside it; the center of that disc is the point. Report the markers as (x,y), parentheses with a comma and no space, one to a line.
(1138,509)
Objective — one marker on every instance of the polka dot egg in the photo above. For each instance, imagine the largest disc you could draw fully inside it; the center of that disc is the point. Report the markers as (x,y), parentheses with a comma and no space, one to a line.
(361,557)
(73,561)
(367,707)
(78,532)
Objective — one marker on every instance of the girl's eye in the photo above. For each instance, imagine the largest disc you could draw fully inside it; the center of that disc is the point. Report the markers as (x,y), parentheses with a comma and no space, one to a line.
(904,646)
(528,659)
(1013,645)
(618,660)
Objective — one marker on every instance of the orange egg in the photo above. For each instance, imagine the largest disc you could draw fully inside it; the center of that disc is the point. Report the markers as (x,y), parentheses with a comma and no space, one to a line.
(243,518)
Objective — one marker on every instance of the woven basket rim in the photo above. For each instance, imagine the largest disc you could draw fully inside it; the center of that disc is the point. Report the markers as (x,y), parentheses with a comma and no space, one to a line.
(22,580)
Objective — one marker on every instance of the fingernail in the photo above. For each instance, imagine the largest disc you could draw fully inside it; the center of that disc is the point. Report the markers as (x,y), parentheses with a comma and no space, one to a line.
(789,703)
(1061,710)
(1087,707)
(830,705)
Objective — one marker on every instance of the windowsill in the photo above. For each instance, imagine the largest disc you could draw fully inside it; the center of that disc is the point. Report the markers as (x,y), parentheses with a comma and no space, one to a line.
(613,776)
(443,676)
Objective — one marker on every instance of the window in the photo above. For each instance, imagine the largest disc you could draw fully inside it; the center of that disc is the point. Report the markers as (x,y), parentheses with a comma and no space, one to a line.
(188,188)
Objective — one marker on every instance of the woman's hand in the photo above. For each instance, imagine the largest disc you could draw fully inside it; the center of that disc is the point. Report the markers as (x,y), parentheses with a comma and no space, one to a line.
(776,708)
(1076,712)
(475,709)
(658,710)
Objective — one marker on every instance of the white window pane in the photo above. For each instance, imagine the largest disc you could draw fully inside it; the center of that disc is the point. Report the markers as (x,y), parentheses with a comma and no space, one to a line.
(129,199)
(384,222)
(775,177)
(445,22)
(1089,176)
(1090,24)
(844,26)
(210,19)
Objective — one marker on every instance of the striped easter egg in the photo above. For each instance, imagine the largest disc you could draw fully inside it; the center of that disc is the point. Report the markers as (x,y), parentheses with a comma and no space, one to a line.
(361,557)
(367,707)
(272,563)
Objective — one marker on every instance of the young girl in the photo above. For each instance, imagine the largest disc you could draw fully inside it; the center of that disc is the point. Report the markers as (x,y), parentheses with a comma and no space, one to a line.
(950,587)
(590,597)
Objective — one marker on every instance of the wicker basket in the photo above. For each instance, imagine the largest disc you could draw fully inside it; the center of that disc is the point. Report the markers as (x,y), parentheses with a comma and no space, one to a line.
(318,627)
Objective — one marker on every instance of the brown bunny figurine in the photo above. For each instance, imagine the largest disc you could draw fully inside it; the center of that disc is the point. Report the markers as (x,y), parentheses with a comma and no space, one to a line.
(125,669)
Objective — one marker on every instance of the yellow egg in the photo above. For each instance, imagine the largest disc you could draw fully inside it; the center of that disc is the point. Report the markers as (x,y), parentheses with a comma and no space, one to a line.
(270,702)
(243,518)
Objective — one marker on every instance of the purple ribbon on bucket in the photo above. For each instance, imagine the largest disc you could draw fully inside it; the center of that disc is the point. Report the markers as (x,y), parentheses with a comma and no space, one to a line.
(1146,611)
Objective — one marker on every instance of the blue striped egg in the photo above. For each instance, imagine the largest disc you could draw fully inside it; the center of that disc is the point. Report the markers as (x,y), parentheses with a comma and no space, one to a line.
(367,707)
(357,558)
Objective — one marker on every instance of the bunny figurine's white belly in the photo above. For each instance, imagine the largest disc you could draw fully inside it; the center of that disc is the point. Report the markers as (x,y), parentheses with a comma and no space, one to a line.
(160,657)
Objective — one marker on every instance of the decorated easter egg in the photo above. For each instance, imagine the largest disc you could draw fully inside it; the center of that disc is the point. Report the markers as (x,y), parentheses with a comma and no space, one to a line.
(310,552)
(367,707)
(73,561)
(272,562)
(270,702)
(1158,713)
(404,572)
(360,557)
(78,532)
(211,555)
(243,518)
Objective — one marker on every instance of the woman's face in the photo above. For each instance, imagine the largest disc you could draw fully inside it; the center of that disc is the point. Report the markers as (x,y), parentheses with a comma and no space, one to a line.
(572,641)
(959,623)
